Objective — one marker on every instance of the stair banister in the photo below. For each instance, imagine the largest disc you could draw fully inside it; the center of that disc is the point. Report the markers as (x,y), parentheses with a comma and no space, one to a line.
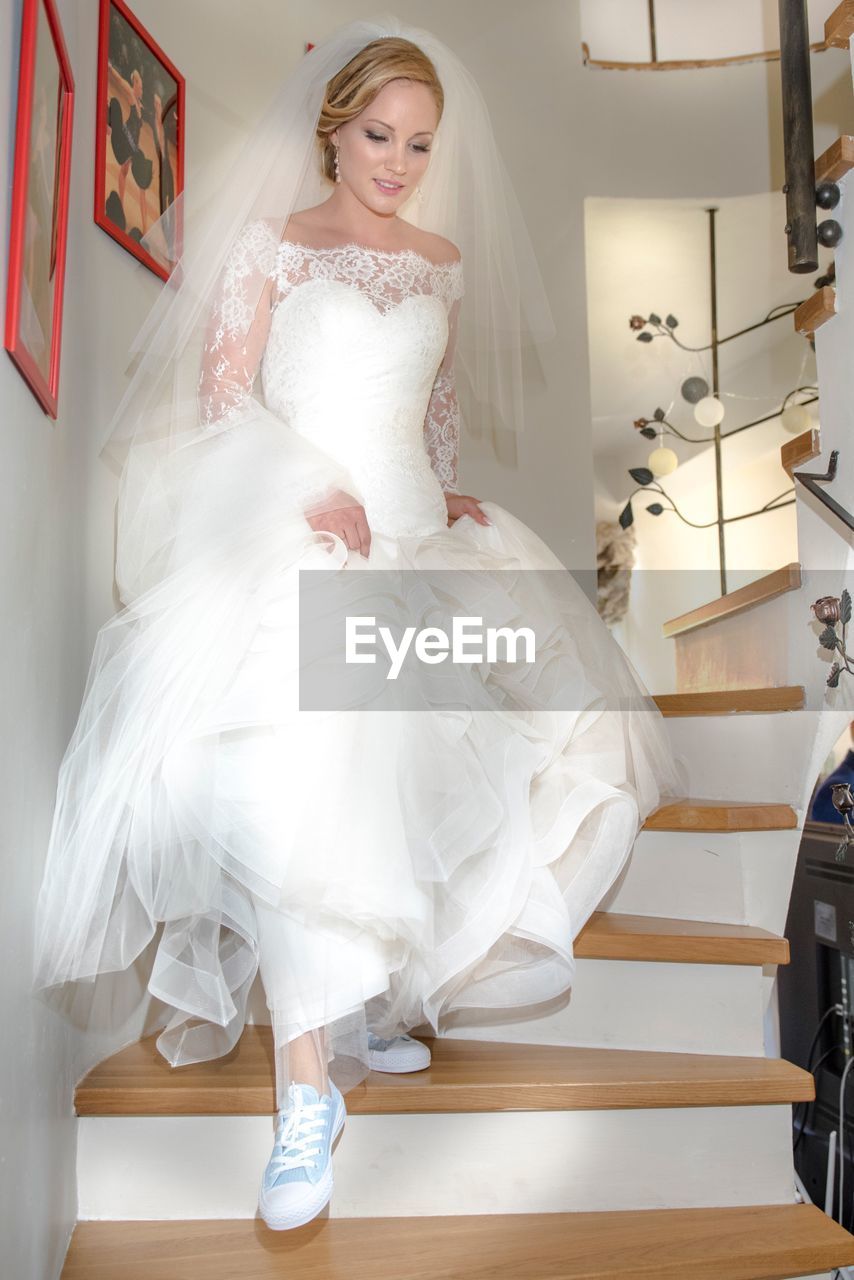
(798,135)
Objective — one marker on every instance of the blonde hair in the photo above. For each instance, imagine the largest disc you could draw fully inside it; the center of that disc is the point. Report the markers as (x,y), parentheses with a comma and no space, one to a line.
(358,82)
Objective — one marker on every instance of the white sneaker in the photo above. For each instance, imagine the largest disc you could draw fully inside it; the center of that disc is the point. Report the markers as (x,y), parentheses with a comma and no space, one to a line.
(400,1053)
(297,1182)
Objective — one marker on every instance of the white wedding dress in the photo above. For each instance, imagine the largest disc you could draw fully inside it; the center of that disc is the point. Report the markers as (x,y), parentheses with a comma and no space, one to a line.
(425,858)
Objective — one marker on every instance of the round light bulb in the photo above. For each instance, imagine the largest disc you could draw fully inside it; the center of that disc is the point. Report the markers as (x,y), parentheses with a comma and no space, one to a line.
(662,461)
(709,411)
(693,389)
(796,419)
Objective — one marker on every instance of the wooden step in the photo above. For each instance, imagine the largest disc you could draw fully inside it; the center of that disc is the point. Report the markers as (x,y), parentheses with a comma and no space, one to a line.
(839,27)
(726,702)
(815,310)
(836,161)
(787,578)
(614,935)
(464,1075)
(794,453)
(721,815)
(748,1242)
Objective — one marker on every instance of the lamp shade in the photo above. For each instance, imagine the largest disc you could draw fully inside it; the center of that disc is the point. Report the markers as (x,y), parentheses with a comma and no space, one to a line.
(796,418)
(662,461)
(709,411)
(693,389)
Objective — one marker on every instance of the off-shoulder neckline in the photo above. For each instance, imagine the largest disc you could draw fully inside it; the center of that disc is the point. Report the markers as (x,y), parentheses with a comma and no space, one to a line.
(383,253)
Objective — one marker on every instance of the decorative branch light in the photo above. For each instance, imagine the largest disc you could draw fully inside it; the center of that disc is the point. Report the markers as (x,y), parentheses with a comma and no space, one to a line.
(709,412)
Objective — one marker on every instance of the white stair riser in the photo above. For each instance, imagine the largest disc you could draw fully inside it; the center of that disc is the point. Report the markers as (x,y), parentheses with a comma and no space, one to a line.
(496,1162)
(631,1004)
(737,652)
(745,756)
(695,875)
(739,877)
(769,870)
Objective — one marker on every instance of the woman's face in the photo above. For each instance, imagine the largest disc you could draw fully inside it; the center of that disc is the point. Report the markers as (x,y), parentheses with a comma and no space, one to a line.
(384,151)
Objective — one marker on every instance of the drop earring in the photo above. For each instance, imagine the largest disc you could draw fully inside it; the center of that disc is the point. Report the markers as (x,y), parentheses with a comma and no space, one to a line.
(337,173)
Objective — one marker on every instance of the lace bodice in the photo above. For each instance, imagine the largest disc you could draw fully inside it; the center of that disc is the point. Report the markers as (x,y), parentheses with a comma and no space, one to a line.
(355,347)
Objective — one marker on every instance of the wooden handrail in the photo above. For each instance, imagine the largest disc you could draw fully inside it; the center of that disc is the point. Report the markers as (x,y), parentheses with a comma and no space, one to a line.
(686,64)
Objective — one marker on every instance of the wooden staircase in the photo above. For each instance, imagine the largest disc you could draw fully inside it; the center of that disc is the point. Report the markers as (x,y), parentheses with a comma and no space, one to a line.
(542,1148)
(467,1116)
(645,1126)
(533,1159)
(465,1077)
(477,1100)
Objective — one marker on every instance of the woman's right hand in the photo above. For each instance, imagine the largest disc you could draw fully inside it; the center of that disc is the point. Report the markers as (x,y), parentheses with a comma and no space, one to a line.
(348,520)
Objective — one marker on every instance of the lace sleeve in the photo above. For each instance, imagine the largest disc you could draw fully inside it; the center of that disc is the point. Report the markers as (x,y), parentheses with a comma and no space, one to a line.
(442,420)
(239,325)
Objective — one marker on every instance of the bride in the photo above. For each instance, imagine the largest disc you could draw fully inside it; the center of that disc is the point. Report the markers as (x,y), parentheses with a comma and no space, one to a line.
(384,852)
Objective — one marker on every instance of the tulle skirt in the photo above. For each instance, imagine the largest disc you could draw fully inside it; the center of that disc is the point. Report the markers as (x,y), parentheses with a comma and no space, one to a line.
(384,863)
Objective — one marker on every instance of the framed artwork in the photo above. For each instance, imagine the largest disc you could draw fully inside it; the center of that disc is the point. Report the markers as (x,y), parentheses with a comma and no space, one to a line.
(39,218)
(139,139)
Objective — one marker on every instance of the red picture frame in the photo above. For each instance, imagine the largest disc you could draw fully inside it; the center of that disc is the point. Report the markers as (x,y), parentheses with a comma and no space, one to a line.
(139,139)
(38,235)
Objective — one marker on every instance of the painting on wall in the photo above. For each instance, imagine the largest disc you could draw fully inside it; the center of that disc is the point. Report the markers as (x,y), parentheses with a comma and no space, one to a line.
(139,140)
(39,218)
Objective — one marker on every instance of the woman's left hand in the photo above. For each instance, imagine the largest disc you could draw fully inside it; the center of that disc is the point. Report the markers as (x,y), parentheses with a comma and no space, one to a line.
(463,504)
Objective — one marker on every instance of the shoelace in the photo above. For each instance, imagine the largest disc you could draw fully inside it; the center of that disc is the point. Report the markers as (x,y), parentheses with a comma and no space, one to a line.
(377,1042)
(297,1137)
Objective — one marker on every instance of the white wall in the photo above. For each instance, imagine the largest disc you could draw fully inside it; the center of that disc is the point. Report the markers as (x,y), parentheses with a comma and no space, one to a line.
(43,642)
(56,558)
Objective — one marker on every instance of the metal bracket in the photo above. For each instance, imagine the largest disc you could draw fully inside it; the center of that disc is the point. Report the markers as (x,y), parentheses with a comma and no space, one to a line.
(809,480)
